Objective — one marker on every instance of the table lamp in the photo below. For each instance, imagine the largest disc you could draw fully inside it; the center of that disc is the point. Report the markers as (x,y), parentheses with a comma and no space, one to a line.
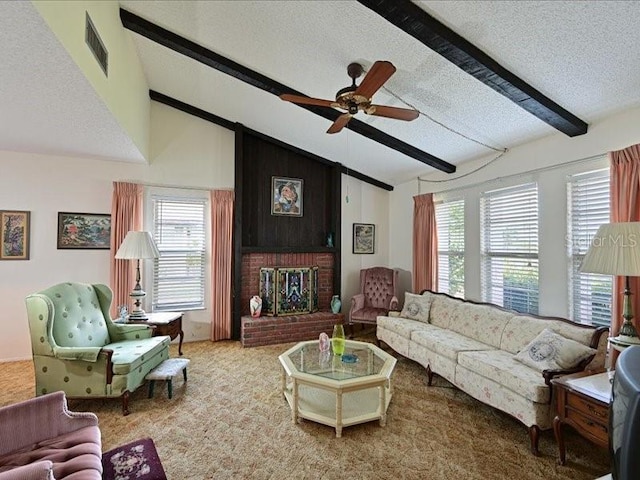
(137,246)
(615,250)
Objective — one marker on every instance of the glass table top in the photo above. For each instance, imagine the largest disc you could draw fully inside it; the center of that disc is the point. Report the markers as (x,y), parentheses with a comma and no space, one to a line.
(359,360)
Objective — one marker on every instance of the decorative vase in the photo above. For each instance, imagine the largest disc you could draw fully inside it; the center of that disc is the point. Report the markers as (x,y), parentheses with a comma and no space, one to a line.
(336,304)
(330,239)
(338,339)
(323,342)
(255,306)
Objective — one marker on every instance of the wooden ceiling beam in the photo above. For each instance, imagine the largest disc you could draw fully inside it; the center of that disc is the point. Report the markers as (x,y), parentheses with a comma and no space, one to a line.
(413,20)
(203,55)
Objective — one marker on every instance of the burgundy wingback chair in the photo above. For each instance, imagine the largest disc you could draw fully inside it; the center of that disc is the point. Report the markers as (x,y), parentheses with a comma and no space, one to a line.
(378,287)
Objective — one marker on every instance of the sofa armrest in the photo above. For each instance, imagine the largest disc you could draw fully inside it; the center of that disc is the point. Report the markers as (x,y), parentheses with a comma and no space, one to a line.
(37,419)
(393,304)
(551,374)
(42,470)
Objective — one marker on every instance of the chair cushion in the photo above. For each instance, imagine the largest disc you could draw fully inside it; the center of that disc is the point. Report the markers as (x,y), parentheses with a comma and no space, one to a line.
(78,320)
(368,314)
(502,368)
(378,287)
(403,326)
(75,455)
(446,342)
(416,307)
(131,354)
(550,351)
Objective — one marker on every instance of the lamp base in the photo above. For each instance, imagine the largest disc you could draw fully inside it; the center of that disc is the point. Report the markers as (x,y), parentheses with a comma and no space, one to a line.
(137,313)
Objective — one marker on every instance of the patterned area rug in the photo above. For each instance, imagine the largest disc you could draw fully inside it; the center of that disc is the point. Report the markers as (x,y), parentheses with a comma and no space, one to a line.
(135,460)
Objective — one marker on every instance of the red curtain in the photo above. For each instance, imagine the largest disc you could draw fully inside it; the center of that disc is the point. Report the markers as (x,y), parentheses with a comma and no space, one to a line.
(126,214)
(221,255)
(425,244)
(625,207)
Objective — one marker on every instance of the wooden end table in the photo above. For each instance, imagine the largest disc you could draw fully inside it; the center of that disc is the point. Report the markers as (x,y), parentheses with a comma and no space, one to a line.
(165,323)
(582,401)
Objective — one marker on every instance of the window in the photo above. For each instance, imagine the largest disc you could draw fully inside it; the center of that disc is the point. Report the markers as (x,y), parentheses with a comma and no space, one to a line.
(588,207)
(179,273)
(450,224)
(509,230)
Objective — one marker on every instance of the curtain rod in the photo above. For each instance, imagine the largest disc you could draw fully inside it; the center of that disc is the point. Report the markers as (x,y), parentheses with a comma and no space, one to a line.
(528,172)
(160,185)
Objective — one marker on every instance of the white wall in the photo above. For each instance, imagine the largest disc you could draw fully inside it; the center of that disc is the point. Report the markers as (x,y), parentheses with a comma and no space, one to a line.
(613,133)
(186,151)
(125,91)
(367,204)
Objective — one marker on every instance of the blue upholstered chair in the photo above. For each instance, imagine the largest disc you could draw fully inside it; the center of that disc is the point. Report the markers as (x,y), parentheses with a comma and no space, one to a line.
(78,349)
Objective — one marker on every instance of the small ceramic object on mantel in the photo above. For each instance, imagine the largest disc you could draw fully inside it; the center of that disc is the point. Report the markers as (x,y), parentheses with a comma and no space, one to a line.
(255,306)
(324,343)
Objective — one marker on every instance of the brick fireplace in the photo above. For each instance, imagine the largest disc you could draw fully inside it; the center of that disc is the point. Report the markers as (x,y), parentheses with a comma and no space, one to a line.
(270,330)
(252,262)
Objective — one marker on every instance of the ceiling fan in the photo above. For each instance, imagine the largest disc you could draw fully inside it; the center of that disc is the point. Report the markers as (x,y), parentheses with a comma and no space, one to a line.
(355,98)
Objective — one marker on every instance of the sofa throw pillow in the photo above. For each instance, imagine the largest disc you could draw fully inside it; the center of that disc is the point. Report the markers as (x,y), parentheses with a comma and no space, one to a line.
(416,307)
(550,351)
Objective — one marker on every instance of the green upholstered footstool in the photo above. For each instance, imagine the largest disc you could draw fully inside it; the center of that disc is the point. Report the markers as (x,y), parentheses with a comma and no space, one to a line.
(166,371)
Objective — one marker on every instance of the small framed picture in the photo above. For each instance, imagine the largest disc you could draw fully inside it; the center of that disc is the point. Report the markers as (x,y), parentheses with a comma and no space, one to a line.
(286,196)
(364,235)
(14,234)
(84,231)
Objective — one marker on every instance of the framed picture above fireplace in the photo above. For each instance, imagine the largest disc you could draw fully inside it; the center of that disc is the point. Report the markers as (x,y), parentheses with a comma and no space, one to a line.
(286,196)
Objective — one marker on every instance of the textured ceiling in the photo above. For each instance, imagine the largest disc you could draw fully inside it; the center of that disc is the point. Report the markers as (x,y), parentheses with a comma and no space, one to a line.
(582,55)
(46,104)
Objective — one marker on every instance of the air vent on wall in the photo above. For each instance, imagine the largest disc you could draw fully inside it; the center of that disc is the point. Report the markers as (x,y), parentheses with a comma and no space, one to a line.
(95,44)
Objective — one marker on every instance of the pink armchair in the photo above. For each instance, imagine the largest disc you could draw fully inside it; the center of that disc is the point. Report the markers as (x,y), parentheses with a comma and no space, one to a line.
(41,439)
(378,287)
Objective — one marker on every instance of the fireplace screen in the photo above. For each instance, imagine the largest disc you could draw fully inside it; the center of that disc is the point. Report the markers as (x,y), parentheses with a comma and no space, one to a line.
(289,290)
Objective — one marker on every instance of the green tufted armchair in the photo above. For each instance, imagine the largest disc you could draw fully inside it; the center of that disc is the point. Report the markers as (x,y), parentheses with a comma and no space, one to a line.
(78,349)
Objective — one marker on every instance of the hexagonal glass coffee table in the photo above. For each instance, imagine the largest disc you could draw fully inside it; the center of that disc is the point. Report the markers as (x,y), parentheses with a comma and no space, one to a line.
(338,391)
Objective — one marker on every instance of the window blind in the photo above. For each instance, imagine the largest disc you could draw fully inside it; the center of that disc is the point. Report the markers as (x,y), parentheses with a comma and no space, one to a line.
(450,225)
(588,208)
(509,243)
(179,273)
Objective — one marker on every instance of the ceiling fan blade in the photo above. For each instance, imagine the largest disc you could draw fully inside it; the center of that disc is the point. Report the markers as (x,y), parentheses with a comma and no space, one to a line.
(340,123)
(393,112)
(375,78)
(307,100)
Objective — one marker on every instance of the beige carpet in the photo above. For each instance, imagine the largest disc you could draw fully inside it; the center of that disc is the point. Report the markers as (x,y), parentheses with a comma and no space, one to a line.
(231,421)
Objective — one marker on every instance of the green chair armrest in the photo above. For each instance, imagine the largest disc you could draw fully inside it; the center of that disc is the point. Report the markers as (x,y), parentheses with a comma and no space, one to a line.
(124,331)
(88,354)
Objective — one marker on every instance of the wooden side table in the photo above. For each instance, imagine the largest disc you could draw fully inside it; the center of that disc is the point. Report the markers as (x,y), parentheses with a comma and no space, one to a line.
(582,401)
(165,323)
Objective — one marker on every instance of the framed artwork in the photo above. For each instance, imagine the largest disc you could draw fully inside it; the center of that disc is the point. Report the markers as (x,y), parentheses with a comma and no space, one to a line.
(14,234)
(286,196)
(84,231)
(364,235)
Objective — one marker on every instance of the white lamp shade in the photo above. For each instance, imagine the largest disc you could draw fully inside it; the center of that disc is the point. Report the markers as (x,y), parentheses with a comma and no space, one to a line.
(615,250)
(137,245)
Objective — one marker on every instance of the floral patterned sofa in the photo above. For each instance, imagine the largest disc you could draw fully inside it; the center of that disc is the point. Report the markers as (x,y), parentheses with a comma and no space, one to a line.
(500,357)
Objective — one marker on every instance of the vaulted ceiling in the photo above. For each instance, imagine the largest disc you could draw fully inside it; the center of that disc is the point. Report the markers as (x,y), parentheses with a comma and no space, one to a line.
(485,76)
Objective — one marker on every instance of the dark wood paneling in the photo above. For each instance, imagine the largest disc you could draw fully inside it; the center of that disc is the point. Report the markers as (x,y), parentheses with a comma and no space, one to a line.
(262,160)
(237,235)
